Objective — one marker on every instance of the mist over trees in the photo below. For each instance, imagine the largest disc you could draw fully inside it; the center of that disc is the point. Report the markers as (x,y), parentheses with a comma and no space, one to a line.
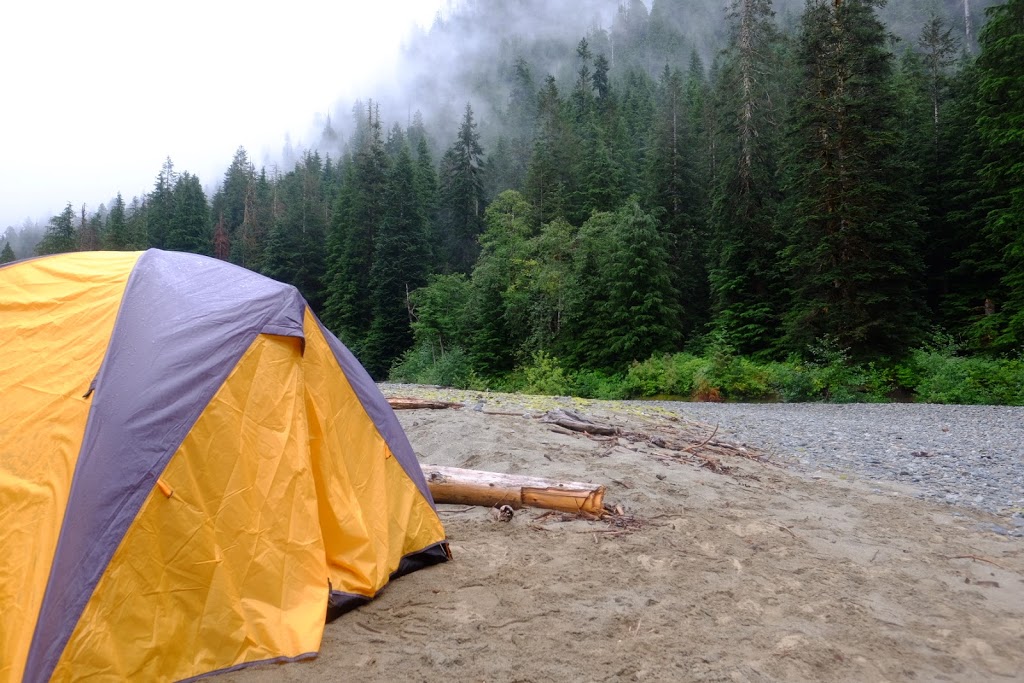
(601,184)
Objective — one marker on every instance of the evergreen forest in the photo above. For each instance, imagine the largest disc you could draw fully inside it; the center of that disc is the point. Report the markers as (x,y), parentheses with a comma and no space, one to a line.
(807,202)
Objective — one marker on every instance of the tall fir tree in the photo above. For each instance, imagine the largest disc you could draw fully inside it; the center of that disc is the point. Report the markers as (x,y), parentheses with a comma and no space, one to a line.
(425,183)
(246,247)
(1000,125)
(854,249)
(461,199)
(967,292)
(399,267)
(520,119)
(744,268)
(596,177)
(624,307)
(61,235)
(136,222)
(358,213)
(160,206)
(7,255)
(505,249)
(90,229)
(548,178)
(229,201)
(115,233)
(298,239)
(189,225)
(674,191)
(923,87)
(643,310)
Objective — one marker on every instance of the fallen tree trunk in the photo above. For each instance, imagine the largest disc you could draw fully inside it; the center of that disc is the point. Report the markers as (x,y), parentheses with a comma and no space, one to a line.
(570,420)
(408,403)
(475,487)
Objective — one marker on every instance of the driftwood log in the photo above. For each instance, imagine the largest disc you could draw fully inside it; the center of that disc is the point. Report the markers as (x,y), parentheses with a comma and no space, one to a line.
(408,403)
(475,487)
(578,423)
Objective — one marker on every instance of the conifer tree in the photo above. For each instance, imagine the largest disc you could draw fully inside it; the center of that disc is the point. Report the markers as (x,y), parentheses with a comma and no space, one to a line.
(1000,124)
(643,312)
(7,255)
(968,290)
(396,142)
(595,184)
(295,250)
(854,253)
(358,214)
(548,178)
(461,199)
(399,267)
(136,222)
(189,225)
(425,184)
(90,230)
(115,234)
(60,236)
(160,206)
(229,202)
(505,248)
(674,190)
(744,243)
(623,307)
(513,149)
(247,246)
(633,132)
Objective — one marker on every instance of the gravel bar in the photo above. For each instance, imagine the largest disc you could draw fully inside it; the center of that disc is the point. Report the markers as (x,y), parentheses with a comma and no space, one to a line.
(962,455)
(969,456)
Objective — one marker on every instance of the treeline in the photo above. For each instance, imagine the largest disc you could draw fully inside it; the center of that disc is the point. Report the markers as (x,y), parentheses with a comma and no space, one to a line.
(817,187)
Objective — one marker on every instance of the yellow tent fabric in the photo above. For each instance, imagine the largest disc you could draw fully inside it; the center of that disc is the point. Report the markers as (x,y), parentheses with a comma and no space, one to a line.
(194,473)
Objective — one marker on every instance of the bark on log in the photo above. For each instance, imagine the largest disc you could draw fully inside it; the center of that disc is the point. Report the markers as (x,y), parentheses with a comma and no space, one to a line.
(407,403)
(475,487)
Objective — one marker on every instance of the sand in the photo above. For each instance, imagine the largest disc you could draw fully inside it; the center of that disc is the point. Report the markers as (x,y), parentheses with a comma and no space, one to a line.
(761,574)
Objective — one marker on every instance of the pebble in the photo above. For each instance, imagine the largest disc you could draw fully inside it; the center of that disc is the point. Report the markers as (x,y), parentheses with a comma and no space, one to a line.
(962,455)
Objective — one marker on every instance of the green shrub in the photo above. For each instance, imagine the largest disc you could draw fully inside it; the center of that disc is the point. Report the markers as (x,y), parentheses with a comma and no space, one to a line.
(732,377)
(422,365)
(793,381)
(646,378)
(596,384)
(937,376)
(545,375)
(665,375)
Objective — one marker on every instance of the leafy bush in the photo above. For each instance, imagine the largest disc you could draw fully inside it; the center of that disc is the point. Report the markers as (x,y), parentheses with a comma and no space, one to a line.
(937,376)
(596,384)
(665,375)
(545,375)
(422,364)
(793,381)
(833,377)
(935,373)
(731,377)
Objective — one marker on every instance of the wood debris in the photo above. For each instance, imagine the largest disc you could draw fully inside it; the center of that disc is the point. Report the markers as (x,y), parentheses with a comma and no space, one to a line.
(577,423)
(411,403)
(977,558)
(682,442)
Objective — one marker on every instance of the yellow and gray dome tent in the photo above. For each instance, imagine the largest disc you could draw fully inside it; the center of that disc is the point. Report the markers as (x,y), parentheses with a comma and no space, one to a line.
(194,472)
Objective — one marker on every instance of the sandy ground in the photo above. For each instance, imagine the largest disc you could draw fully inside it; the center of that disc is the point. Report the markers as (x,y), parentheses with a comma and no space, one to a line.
(756,575)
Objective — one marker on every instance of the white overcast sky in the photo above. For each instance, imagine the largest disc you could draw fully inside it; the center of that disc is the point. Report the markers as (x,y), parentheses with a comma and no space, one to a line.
(95,94)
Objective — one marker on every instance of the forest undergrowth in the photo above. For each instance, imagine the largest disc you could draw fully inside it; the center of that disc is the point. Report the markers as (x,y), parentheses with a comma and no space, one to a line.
(934,373)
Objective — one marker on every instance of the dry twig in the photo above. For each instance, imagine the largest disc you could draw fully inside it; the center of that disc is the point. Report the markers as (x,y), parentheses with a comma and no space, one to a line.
(977,558)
